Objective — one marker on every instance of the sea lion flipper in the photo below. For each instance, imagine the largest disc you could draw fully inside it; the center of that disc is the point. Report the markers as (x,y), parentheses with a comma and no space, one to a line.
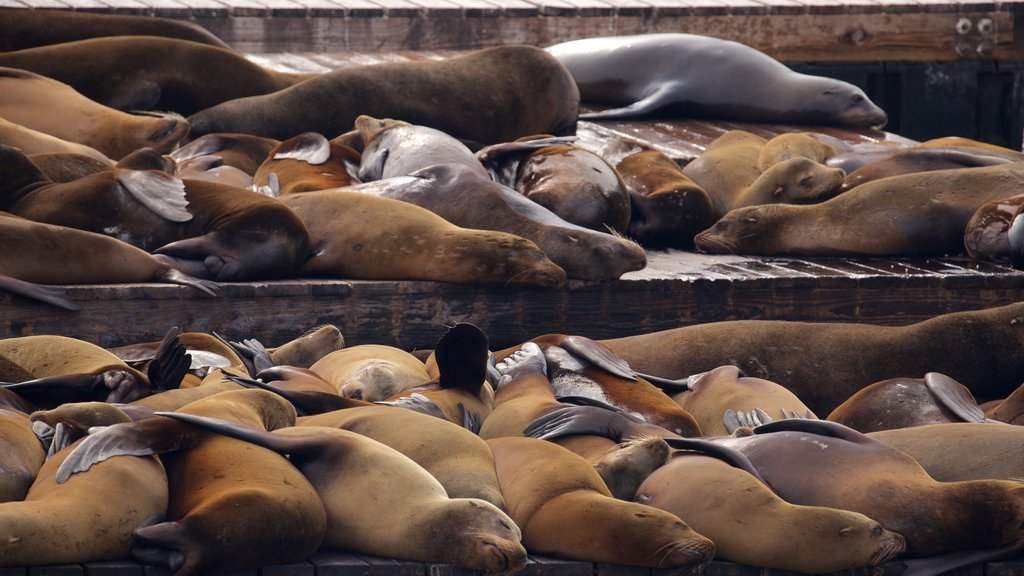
(48,294)
(175,276)
(822,427)
(170,363)
(142,438)
(756,417)
(663,96)
(269,440)
(162,193)
(306,403)
(581,420)
(726,454)
(666,384)
(310,147)
(417,403)
(954,396)
(253,352)
(583,347)
(60,388)
(462,357)
(202,146)
(470,420)
(935,565)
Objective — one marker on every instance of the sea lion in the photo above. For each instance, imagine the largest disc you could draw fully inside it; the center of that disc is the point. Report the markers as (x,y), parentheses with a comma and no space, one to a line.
(961,142)
(458,458)
(242,151)
(910,160)
(32,141)
(909,215)
(215,382)
(952,452)
(314,344)
(151,72)
(62,167)
(821,463)
(304,163)
(1009,409)
(667,207)
(233,504)
(700,77)
(750,524)
(348,241)
(492,95)
(211,167)
(565,510)
(794,145)
(21,28)
(396,148)
(54,108)
(982,349)
(792,181)
(995,231)
(371,372)
(22,455)
(402,511)
(908,402)
(584,254)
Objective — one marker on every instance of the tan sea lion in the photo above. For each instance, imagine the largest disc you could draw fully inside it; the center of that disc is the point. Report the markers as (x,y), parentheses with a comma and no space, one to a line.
(750,524)
(21,28)
(961,142)
(583,253)
(700,77)
(314,344)
(565,510)
(215,382)
(952,452)
(981,349)
(233,504)
(909,215)
(416,245)
(151,72)
(726,167)
(492,95)
(371,372)
(35,142)
(402,511)
(22,455)
(792,181)
(794,145)
(918,159)
(398,148)
(71,116)
(305,163)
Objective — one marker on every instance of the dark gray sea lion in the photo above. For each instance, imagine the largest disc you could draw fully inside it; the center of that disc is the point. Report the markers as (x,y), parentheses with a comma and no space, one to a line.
(20,29)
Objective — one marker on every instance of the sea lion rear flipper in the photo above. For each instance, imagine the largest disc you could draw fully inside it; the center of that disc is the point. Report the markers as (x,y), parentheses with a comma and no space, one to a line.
(954,396)
(756,417)
(583,347)
(167,544)
(944,563)
(462,357)
(253,354)
(470,420)
(162,193)
(573,420)
(269,440)
(660,98)
(728,455)
(822,427)
(175,276)
(170,363)
(665,384)
(48,294)
(417,403)
(587,401)
(142,438)
(305,403)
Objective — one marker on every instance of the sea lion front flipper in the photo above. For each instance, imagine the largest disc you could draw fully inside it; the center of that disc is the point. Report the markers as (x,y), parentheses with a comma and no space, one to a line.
(821,427)
(162,193)
(306,403)
(142,438)
(598,355)
(756,417)
(663,96)
(470,420)
(254,354)
(462,357)
(935,565)
(175,276)
(276,442)
(726,454)
(58,389)
(666,384)
(417,403)
(48,294)
(575,420)
(954,396)
(167,544)
(170,363)
(310,147)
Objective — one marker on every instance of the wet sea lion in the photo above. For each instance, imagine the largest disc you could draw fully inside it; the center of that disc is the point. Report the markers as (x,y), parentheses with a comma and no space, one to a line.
(981,349)
(565,510)
(371,372)
(242,151)
(396,148)
(55,108)
(305,163)
(35,142)
(22,28)
(909,215)
(151,72)
(700,76)
(794,145)
(750,524)
(919,159)
(952,452)
(492,95)
(584,254)
(349,241)
(212,168)
(995,231)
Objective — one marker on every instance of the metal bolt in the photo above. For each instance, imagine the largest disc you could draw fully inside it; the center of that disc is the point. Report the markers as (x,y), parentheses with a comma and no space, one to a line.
(963,48)
(963,26)
(984,48)
(986,26)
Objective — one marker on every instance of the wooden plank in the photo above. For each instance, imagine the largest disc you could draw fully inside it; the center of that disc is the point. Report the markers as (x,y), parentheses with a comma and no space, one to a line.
(304,568)
(113,568)
(336,563)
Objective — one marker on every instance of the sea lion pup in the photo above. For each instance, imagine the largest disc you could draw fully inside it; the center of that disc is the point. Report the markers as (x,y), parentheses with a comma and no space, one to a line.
(35,142)
(795,145)
(996,232)
(912,214)
(458,458)
(565,510)
(750,524)
(402,511)
(701,77)
(824,363)
(349,241)
(856,472)
(715,399)
(304,163)
(22,28)
(21,452)
(918,159)
(151,72)
(952,452)
(54,108)
(242,151)
(371,372)
(397,148)
(667,208)
(583,253)
(908,402)
(233,504)
(492,95)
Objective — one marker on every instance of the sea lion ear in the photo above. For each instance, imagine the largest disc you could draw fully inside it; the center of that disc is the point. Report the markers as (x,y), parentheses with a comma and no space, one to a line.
(845,531)
(778,191)
(750,219)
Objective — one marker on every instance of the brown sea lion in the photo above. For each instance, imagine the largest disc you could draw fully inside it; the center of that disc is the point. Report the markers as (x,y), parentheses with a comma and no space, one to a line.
(584,254)
(910,160)
(151,72)
(952,452)
(242,151)
(349,242)
(371,372)
(700,76)
(314,344)
(233,504)
(981,349)
(22,28)
(212,168)
(750,524)
(22,455)
(995,231)
(402,511)
(397,148)
(794,145)
(727,167)
(64,167)
(1009,409)
(305,163)
(913,214)
(35,142)
(54,108)
(792,181)
(492,95)
(565,510)
(215,382)
(961,142)
(458,458)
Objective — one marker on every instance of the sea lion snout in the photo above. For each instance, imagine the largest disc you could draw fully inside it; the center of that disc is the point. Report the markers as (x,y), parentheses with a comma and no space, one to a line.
(167,131)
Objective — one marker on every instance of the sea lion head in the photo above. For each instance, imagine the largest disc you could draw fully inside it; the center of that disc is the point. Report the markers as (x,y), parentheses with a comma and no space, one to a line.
(735,232)
(849,105)
(480,536)
(802,180)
